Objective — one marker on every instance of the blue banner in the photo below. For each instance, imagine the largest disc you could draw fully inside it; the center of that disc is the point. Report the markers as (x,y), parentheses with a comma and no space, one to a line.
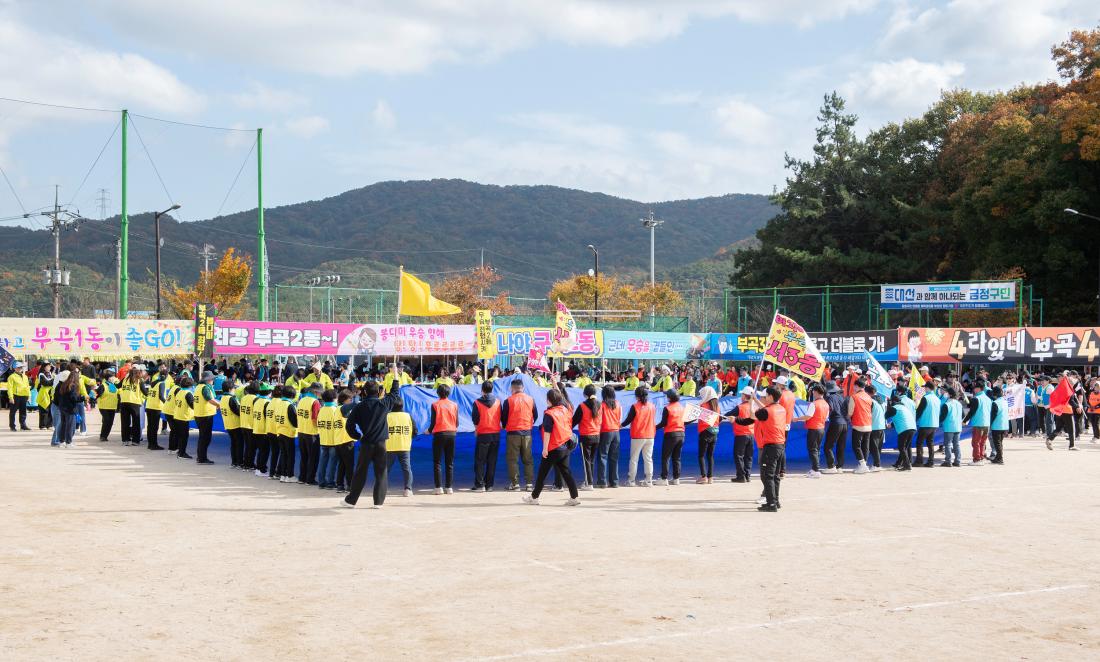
(653,346)
(835,346)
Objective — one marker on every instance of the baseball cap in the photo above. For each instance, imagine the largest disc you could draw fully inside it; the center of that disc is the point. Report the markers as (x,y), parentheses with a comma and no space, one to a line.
(781,380)
(747,391)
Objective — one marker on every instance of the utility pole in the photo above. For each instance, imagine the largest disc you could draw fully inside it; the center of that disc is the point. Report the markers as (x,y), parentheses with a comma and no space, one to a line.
(207,254)
(261,248)
(55,275)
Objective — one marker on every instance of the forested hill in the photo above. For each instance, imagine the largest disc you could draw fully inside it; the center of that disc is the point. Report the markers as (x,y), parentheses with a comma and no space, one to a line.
(532,234)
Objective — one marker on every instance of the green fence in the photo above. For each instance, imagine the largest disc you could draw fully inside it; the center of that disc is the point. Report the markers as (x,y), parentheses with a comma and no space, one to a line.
(646,323)
(856,307)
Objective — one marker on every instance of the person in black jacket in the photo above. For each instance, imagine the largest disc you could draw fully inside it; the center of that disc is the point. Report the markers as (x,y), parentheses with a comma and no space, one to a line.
(837,433)
(367,423)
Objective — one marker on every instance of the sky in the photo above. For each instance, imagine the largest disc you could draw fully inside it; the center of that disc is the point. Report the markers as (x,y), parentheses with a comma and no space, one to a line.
(645,99)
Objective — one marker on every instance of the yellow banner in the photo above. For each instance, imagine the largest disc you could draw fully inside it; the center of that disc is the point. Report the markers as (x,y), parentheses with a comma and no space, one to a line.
(790,347)
(486,344)
(97,339)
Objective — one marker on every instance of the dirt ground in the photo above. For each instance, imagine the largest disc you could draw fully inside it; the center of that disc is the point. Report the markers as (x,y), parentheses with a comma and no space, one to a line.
(113,553)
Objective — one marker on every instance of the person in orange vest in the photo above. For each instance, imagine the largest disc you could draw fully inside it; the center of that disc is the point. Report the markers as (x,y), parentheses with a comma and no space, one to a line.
(860,410)
(486,418)
(641,419)
(518,414)
(1094,409)
(607,460)
(672,446)
(815,428)
(771,435)
(443,426)
(743,432)
(557,443)
(588,418)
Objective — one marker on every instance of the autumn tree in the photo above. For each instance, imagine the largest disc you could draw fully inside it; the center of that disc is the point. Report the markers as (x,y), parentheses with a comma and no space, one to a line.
(579,292)
(467,290)
(224,286)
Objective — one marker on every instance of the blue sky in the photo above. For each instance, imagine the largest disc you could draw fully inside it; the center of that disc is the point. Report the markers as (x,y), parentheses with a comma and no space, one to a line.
(649,99)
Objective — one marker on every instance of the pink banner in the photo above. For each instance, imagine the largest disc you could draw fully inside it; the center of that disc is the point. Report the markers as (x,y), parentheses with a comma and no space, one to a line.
(241,337)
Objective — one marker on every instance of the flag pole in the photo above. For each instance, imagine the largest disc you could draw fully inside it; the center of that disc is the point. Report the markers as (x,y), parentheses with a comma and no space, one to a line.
(397,320)
(763,356)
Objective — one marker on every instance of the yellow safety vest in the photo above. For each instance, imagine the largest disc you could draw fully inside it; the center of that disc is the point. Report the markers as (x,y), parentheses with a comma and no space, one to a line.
(330,426)
(292,382)
(108,401)
(687,389)
(387,382)
(324,379)
(129,393)
(444,380)
(85,384)
(232,421)
(271,426)
(204,409)
(259,417)
(282,418)
(239,392)
(400,425)
(18,385)
(45,397)
(245,401)
(169,408)
(183,411)
(152,400)
(304,410)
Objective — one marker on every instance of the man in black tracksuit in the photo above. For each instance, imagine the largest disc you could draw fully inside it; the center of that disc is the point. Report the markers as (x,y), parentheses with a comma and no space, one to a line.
(837,434)
(367,423)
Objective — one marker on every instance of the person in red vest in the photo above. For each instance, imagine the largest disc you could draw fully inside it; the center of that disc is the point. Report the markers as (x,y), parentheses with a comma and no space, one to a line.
(743,435)
(588,418)
(557,443)
(607,459)
(672,422)
(815,428)
(771,435)
(443,426)
(486,418)
(641,419)
(518,414)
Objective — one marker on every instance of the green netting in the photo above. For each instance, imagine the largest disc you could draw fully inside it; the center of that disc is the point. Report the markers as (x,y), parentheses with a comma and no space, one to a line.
(646,323)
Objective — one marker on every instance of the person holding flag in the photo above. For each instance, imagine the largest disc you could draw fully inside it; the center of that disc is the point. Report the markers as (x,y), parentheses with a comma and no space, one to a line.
(1064,407)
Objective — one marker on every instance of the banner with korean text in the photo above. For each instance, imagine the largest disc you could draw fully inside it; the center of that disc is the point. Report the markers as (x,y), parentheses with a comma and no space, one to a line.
(790,347)
(653,346)
(518,341)
(835,346)
(97,338)
(939,296)
(1043,345)
(483,322)
(242,337)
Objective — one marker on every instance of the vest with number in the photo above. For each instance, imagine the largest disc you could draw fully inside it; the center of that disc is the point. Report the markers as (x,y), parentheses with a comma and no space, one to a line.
(280,412)
(203,409)
(643,426)
(400,430)
(129,393)
(488,418)
(304,410)
(930,417)
(182,410)
(675,421)
(232,421)
(169,408)
(152,398)
(244,402)
(259,415)
(590,425)
(109,400)
(330,425)
(1000,421)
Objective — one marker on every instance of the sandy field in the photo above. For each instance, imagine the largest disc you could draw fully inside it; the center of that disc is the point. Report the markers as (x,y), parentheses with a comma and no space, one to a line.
(113,553)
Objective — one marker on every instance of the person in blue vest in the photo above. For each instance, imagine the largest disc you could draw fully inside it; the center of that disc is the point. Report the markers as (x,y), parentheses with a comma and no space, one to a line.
(928,420)
(951,415)
(998,424)
(902,396)
(978,415)
(878,426)
(903,417)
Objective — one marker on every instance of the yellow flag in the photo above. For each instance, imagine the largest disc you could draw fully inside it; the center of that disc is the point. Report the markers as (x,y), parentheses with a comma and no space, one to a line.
(417,300)
(915,382)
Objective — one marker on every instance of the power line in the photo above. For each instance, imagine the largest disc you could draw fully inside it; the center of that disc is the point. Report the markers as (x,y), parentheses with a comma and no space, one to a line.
(12,188)
(152,163)
(96,162)
(57,105)
(234,184)
(197,126)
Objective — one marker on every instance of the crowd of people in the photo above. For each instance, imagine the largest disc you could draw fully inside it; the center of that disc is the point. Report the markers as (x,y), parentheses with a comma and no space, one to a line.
(327,425)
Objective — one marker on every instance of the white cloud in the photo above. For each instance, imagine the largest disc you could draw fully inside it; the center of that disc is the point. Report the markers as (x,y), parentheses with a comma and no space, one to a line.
(905,86)
(49,67)
(383,116)
(337,38)
(305,127)
(566,128)
(258,96)
(745,122)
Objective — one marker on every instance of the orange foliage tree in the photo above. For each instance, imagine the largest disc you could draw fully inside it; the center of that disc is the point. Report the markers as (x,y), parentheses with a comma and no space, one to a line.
(465,291)
(579,292)
(224,286)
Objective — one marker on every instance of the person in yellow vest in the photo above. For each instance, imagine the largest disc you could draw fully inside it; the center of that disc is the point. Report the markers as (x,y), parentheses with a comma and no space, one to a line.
(45,397)
(159,384)
(182,415)
(309,445)
(687,389)
(582,380)
(442,379)
(664,381)
(168,410)
(295,380)
(206,406)
(316,377)
(86,388)
(230,409)
(131,393)
(286,428)
(797,386)
(387,381)
(473,376)
(107,396)
(19,392)
(399,443)
(248,448)
(332,436)
(631,382)
(259,428)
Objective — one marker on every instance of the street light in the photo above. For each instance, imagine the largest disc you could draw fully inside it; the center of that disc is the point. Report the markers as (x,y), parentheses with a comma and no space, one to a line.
(651,223)
(1095,218)
(596,289)
(156,230)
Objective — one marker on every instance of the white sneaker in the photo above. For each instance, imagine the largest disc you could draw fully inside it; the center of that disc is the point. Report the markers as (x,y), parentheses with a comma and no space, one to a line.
(862,468)
(67,444)
(663,482)
(587,488)
(813,474)
(629,483)
(527,499)
(761,501)
(345,504)
(647,483)
(257,472)
(376,506)
(573,502)
(674,481)
(449,490)
(408,493)
(439,490)
(828,470)
(874,469)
